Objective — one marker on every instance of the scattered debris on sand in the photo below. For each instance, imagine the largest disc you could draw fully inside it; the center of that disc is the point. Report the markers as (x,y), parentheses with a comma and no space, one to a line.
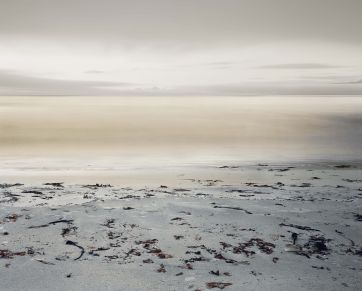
(220,285)
(72,243)
(7,254)
(52,223)
(55,184)
(299,227)
(204,233)
(233,208)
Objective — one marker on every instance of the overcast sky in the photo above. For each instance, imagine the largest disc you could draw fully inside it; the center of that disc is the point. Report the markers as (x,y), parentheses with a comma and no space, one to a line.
(184,47)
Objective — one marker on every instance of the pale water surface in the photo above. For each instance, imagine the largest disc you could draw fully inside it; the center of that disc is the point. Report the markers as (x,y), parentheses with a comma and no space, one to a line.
(114,135)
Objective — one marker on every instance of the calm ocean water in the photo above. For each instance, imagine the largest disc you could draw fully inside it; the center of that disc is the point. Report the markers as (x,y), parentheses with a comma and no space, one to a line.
(117,133)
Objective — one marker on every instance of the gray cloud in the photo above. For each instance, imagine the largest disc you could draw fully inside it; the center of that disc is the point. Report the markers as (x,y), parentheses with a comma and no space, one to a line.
(188,22)
(166,43)
(15,84)
(299,66)
(267,89)
(351,82)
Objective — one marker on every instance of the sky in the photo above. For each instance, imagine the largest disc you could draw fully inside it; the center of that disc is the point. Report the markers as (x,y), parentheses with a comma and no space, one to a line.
(184,47)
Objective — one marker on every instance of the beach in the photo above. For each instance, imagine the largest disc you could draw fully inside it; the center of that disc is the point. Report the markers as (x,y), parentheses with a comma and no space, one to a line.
(233,231)
(180,145)
(257,193)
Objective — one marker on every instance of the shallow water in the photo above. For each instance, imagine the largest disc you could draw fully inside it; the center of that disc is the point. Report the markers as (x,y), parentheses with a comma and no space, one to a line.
(113,134)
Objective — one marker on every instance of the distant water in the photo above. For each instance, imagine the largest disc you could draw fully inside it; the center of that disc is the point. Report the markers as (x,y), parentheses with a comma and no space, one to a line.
(147,130)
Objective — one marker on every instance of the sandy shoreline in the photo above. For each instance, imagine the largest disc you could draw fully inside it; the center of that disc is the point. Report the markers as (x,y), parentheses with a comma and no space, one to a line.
(232,230)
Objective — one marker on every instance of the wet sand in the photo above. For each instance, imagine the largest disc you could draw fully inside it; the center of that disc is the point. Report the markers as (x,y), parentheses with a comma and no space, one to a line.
(232,231)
